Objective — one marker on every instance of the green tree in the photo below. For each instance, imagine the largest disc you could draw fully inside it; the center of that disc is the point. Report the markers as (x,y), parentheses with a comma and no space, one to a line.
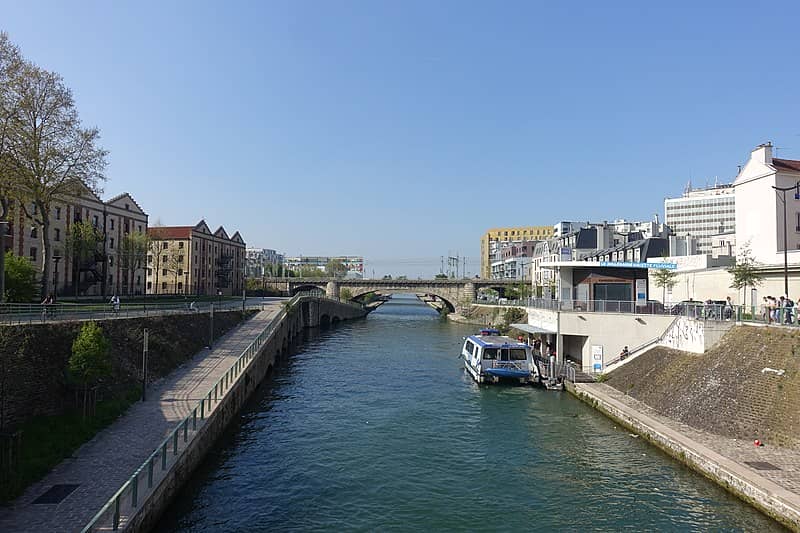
(345,294)
(336,268)
(745,272)
(48,155)
(666,279)
(133,255)
(21,285)
(83,243)
(10,66)
(90,360)
(440,276)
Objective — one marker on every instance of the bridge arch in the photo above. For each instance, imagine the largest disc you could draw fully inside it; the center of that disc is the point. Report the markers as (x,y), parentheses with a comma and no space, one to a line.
(307,287)
(358,292)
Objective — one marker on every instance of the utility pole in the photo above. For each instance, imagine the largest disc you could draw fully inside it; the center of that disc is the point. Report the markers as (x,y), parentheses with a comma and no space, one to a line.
(144,364)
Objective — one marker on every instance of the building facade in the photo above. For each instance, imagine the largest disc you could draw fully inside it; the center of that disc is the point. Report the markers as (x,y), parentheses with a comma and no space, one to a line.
(258,260)
(107,271)
(703,214)
(195,260)
(493,239)
(354,263)
(760,223)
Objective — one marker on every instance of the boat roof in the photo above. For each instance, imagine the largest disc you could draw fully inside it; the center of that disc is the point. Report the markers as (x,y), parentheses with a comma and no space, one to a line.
(496,341)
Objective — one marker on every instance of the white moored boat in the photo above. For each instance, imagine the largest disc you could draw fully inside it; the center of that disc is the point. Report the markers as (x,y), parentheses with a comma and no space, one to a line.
(492,358)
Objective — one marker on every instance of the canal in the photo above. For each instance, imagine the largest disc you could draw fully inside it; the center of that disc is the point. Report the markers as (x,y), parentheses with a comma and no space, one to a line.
(373,425)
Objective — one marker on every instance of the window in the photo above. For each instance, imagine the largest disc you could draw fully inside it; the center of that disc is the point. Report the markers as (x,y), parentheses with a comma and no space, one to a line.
(180,259)
(140,228)
(180,272)
(164,258)
(111,223)
(180,286)
(490,353)
(164,245)
(111,260)
(149,285)
(180,245)
(57,234)
(149,259)
(149,271)
(126,228)
(34,232)
(163,285)
(163,271)
(95,221)
(33,253)
(138,279)
(127,207)
(58,213)
(111,244)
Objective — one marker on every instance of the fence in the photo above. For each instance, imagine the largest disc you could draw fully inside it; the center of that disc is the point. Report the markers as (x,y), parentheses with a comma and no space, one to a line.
(124,503)
(38,313)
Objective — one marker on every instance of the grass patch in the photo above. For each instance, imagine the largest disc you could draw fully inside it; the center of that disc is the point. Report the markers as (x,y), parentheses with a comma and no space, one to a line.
(46,441)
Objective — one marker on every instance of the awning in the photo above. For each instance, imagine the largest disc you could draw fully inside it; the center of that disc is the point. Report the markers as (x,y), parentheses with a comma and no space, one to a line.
(527,328)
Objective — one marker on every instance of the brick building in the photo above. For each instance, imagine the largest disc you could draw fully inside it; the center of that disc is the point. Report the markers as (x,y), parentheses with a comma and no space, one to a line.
(103,274)
(195,260)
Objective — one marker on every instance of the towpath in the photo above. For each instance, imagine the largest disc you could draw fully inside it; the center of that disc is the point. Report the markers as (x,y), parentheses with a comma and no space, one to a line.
(772,472)
(102,465)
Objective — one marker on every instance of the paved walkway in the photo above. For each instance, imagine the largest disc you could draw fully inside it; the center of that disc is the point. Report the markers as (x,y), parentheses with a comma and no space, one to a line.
(102,465)
(783,482)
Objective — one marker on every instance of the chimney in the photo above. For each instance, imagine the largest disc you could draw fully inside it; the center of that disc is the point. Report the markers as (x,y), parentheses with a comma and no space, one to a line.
(763,153)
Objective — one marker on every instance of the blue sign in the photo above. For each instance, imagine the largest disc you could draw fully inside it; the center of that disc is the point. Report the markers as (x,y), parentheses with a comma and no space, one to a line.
(598,367)
(631,264)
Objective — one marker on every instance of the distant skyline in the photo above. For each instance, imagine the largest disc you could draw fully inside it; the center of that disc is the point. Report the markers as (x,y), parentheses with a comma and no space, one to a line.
(402,131)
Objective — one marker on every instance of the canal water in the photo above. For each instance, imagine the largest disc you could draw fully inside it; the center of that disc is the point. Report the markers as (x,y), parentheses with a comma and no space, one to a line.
(373,426)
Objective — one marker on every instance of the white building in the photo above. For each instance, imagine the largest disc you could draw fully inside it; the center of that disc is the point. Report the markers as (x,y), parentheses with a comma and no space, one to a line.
(703,214)
(259,258)
(759,207)
(354,264)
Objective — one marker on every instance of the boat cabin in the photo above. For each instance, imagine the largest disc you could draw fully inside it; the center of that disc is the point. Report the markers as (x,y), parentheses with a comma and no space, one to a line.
(495,358)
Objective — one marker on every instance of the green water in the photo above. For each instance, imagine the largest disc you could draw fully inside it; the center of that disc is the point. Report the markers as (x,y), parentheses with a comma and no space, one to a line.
(374,426)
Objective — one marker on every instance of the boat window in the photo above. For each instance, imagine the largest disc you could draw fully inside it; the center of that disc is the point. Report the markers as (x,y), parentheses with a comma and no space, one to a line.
(470,347)
(504,354)
(518,354)
(490,353)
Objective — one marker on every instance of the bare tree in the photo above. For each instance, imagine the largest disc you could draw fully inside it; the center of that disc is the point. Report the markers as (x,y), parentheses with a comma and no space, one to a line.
(154,261)
(50,155)
(133,255)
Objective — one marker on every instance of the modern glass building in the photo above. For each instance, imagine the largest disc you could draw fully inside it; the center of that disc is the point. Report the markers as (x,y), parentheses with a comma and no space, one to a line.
(702,213)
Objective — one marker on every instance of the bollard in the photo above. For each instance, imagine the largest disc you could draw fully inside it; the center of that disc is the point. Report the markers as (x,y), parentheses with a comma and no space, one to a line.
(185,430)
(164,456)
(135,491)
(175,442)
(202,408)
(215,391)
(194,419)
(150,473)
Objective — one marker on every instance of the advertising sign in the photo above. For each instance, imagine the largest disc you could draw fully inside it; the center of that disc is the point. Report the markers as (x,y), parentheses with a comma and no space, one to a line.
(597,357)
(633,264)
(566,254)
(641,292)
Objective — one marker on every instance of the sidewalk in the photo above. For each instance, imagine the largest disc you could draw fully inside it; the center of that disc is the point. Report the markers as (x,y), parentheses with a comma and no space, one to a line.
(772,478)
(102,465)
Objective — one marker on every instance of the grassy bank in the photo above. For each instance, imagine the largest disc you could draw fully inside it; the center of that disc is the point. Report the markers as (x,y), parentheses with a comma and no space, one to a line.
(46,441)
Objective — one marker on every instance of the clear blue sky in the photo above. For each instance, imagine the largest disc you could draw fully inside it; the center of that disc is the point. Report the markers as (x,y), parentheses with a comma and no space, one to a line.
(402,130)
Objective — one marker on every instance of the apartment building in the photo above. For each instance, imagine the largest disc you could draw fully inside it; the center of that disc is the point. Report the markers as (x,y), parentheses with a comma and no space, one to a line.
(107,271)
(494,238)
(703,214)
(259,258)
(354,263)
(195,260)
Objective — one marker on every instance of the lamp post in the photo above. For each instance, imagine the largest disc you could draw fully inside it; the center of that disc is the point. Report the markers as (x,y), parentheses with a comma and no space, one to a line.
(783,190)
(56,259)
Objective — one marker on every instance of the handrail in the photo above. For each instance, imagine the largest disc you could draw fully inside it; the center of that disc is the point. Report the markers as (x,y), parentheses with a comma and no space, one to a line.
(222,385)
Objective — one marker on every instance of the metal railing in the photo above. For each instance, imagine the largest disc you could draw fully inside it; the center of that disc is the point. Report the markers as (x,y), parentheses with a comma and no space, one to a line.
(561,370)
(40,313)
(126,501)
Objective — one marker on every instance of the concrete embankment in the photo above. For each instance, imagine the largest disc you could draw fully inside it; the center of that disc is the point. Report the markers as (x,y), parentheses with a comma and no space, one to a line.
(706,410)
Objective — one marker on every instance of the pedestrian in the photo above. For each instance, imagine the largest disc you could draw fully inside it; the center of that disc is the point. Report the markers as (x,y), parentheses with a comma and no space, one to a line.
(114,304)
(727,311)
(788,309)
(624,353)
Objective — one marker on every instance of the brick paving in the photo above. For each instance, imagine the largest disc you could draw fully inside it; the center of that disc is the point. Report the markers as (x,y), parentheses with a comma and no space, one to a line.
(739,451)
(103,464)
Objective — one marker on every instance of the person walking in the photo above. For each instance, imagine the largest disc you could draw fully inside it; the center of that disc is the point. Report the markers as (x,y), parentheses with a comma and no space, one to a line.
(624,353)
(114,304)
(727,310)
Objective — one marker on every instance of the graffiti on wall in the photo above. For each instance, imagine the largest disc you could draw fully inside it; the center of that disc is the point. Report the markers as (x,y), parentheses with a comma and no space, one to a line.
(686,334)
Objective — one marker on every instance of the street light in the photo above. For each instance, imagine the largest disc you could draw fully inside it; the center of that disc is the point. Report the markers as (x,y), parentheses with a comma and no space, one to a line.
(783,190)
(56,259)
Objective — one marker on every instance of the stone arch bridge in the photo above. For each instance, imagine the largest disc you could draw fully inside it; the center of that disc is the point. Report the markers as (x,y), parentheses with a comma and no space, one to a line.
(455,293)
